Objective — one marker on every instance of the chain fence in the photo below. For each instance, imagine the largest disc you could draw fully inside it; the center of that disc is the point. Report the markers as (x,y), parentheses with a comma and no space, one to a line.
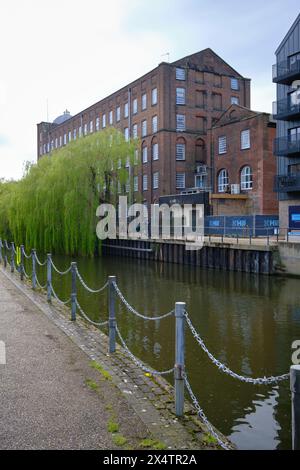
(92,291)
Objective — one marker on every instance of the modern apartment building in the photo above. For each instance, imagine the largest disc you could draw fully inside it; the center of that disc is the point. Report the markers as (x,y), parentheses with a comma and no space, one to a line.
(286,110)
(244,163)
(170,110)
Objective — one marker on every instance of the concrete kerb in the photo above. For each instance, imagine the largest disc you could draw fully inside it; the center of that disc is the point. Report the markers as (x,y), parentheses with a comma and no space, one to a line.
(152,398)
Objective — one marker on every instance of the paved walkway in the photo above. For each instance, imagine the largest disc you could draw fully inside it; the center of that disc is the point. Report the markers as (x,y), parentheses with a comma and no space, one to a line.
(50,396)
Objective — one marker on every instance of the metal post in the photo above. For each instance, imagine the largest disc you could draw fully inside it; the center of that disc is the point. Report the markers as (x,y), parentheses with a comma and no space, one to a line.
(22,263)
(295,389)
(49,277)
(287,234)
(33,276)
(5,253)
(12,257)
(112,313)
(179,357)
(73,290)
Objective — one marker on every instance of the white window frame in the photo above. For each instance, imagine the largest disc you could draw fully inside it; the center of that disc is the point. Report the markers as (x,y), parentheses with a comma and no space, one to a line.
(135,106)
(154,124)
(222,145)
(144,128)
(180,122)
(180,74)
(155,180)
(126,110)
(91,127)
(103,121)
(180,96)
(135,131)
(135,183)
(97,124)
(154,96)
(145,182)
(144,101)
(126,134)
(118,114)
(180,180)
(245,139)
(234,83)
(111,117)
(180,151)
(234,100)
(85,129)
(223,181)
(246,178)
(155,154)
(145,154)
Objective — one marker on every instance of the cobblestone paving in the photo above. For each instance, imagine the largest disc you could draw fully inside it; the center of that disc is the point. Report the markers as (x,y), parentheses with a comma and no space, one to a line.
(151,398)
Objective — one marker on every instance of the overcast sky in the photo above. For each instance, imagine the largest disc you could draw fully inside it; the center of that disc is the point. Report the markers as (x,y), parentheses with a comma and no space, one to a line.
(72,53)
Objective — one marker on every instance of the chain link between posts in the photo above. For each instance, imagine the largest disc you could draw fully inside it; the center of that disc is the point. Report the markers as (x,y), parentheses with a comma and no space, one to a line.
(135,312)
(88,319)
(225,369)
(92,291)
(139,363)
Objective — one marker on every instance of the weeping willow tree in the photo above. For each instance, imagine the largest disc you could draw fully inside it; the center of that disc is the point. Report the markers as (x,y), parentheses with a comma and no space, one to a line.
(53,207)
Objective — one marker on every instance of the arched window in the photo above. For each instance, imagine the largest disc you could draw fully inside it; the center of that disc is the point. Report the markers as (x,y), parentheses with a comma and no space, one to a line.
(200,151)
(223,181)
(246,178)
(154,149)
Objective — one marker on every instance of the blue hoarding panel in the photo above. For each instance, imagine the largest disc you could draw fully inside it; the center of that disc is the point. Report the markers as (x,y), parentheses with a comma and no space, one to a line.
(266,225)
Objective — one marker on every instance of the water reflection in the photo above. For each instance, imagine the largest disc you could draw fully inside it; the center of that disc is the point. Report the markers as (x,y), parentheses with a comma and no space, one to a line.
(247,321)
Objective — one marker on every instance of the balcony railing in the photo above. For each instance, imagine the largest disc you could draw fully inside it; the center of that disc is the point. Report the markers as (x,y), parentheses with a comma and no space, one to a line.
(287,146)
(285,72)
(287,183)
(286,110)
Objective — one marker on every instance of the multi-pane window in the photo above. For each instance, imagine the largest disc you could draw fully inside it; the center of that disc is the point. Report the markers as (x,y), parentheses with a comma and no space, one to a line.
(180,151)
(155,180)
(246,178)
(118,113)
(136,156)
(234,100)
(126,110)
(69,136)
(75,134)
(155,151)
(126,133)
(180,73)
(135,106)
(127,186)
(222,144)
(223,181)
(85,129)
(180,95)
(91,126)
(48,146)
(154,124)
(180,180)
(104,121)
(154,96)
(144,128)
(144,101)
(245,139)
(60,140)
(145,154)
(56,142)
(134,131)
(180,122)
(52,144)
(135,183)
(111,118)
(234,84)
(97,124)
(145,182)
(65,139)
(294,134)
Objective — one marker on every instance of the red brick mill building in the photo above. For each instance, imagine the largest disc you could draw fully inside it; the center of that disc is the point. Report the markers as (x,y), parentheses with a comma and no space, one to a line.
(171,110)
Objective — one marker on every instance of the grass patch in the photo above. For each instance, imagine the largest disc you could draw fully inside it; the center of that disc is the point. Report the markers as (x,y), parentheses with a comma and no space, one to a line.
(112,426)
(209,439)
(99,368)
(153,444)
(119,440)
(92,385)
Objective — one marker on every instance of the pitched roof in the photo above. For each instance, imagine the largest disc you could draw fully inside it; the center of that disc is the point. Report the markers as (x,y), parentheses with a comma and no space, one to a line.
(297,20)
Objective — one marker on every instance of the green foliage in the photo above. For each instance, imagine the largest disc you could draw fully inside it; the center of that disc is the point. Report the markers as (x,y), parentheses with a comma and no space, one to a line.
(153,444)
(53,207)
(99,368)
(119,440)
(112,426)
(91,384)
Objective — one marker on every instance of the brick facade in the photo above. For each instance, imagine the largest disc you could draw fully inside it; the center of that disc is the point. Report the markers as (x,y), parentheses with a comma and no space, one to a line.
(258,155)
(208,92)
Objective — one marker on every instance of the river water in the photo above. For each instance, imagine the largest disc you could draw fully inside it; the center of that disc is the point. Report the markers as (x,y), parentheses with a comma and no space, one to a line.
(247,321)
